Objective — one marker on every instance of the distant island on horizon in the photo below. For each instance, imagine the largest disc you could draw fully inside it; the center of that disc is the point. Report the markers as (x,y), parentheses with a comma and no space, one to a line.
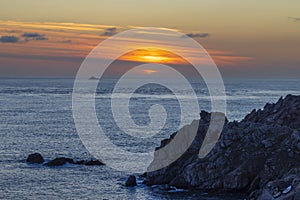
(93,78)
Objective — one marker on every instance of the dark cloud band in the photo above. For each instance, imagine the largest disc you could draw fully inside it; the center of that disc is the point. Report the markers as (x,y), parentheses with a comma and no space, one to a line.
(198,35)
(109,31)
(9,39)
(34,36)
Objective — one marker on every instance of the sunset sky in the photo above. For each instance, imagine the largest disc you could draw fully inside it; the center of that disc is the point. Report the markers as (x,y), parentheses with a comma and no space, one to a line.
(245,38)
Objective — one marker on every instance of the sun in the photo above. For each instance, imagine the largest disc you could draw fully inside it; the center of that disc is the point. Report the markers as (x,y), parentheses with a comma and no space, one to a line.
(153,58)
(153,55)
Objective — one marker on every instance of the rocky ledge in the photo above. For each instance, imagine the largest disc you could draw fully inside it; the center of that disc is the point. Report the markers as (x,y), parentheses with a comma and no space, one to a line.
(258,156)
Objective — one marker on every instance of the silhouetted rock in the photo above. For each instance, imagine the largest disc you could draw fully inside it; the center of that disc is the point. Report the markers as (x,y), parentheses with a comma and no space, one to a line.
(60,161)
(131,181)
(80,162)
(94,162)
(259,156)
(35,158)
(38,158)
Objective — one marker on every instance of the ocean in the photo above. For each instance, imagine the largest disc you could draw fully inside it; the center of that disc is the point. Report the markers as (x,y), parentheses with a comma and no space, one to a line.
(36,116)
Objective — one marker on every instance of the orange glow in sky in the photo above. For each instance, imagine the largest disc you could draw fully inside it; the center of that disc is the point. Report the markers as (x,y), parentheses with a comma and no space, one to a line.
(149,71)
(153,55)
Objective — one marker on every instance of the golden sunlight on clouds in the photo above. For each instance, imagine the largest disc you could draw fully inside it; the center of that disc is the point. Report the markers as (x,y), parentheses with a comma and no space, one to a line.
(65,45)
(55,26)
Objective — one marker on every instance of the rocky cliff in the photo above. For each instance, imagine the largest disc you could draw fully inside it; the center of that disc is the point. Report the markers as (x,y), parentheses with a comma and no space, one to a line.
(259,156)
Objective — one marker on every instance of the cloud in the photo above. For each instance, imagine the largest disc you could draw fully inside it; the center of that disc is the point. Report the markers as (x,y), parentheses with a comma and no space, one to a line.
(9,39)
(295,19)
(34,36)
(32,27)
(109,31)
(197,35)
(11,31)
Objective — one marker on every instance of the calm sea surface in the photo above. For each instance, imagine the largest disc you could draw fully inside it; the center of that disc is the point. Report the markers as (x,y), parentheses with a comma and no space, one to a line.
(36,116)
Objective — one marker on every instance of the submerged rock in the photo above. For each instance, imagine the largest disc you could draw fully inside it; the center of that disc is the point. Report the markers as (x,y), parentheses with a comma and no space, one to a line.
(131,181)
(80,162)
(249,155)
(60,161)
(93,162)
(35,158)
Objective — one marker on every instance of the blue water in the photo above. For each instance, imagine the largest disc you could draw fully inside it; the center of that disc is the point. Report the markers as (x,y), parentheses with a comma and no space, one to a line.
(36,116)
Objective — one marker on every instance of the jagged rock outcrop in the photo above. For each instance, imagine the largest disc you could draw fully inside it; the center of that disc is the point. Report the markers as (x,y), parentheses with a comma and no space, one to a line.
(252,156)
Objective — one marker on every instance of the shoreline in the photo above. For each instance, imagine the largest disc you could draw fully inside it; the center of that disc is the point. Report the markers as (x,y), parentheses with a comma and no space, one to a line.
(258,156)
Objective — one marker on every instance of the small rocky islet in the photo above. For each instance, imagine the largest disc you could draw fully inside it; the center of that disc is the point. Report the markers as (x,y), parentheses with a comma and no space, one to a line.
(258,156)
(37,158)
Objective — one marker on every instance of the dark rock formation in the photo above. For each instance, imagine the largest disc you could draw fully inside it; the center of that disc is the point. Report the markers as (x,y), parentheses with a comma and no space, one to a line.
(284,188)
(285,112)
(80,162)
(35,158)
(38,158)
(131,181)
(60,161)
(93,162)
(259,156)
